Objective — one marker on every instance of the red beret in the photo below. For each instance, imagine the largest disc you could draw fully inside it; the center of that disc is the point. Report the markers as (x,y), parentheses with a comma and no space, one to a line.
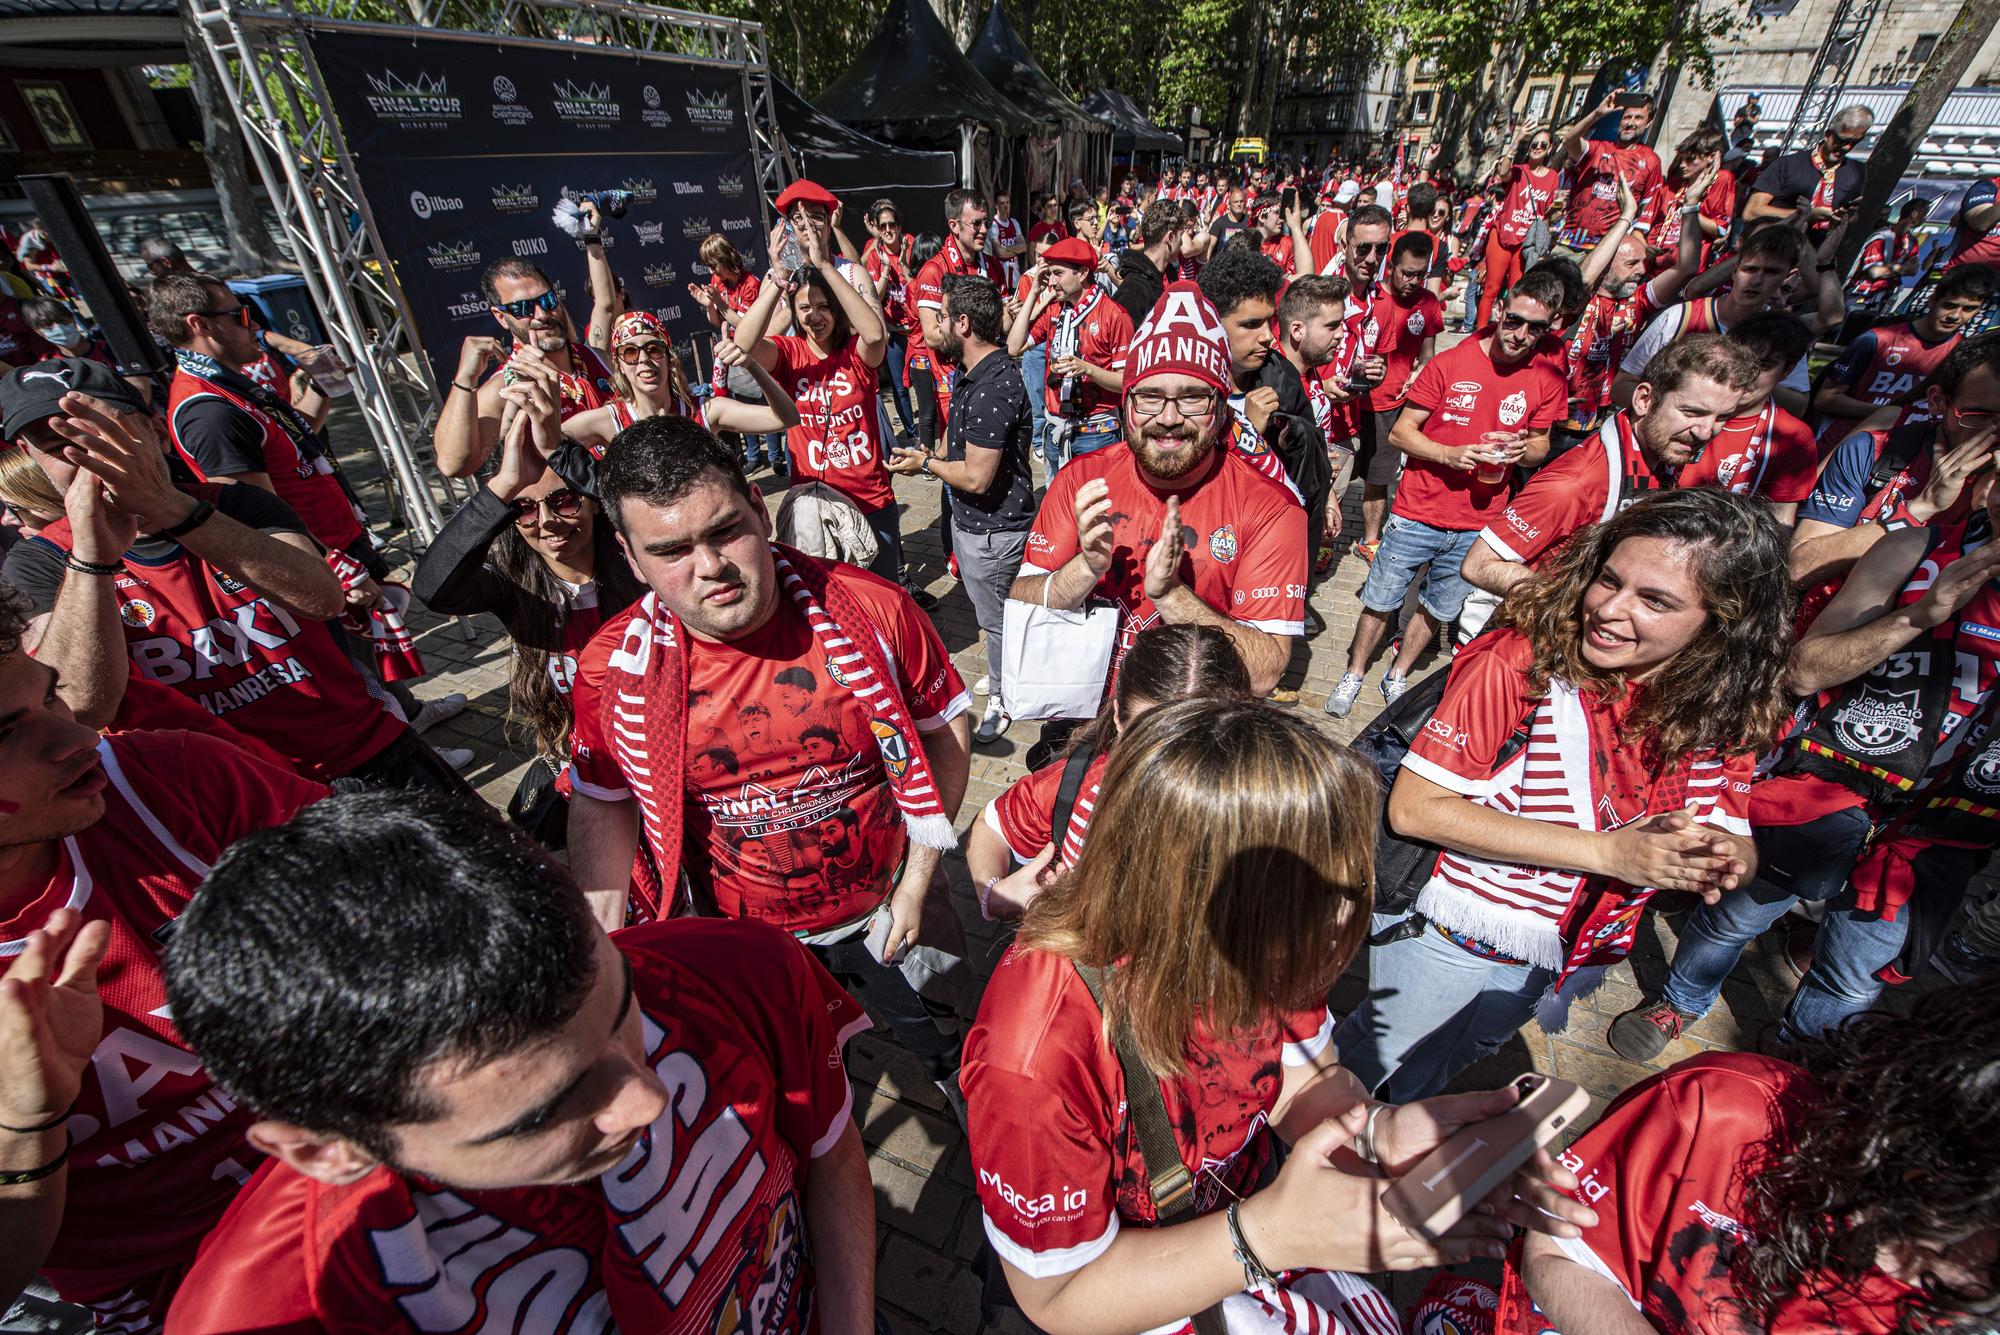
(806,192)
(1072,250)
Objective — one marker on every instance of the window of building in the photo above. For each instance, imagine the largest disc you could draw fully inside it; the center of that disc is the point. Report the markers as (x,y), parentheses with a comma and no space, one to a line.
(1420,107)
(1539,98)
(1921,52)
(1577,97)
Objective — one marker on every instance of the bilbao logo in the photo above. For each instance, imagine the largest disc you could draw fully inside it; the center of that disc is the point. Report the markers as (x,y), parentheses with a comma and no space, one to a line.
(425,206)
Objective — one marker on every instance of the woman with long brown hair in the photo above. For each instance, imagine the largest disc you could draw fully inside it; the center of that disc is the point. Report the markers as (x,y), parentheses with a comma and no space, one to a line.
(1224,888)
(1596,746)
(647,373)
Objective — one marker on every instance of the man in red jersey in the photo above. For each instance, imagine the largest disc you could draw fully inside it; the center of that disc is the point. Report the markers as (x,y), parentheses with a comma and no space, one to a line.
(1473,414)
(1890,364)
(1763,450)
(1597,166)
(1697,177)
(102,843)
(484,1113)
(534,327)
(964,251)
(1407,318)
(1888,255)
(1975,228)
(216,592)
(696,665)
(1087,335)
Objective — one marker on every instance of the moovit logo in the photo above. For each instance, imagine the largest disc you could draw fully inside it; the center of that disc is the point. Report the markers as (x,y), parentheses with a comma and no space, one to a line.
(590,102)
(424,205)
(448,256)
(533,245)
(736,224)
(693,228)
(515,199)
(651,233)
(643,190)
(729,187)
(662,274)
(422,101)
(468,304)
(710,109)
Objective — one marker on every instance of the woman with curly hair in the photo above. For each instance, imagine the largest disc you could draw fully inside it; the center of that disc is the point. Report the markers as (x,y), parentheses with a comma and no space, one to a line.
(1854,1189)
(1595,747)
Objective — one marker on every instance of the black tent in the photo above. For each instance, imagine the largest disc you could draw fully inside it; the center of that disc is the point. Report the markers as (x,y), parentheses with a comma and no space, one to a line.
(1132,132)
(861,170)
(912,85)
(1083,146)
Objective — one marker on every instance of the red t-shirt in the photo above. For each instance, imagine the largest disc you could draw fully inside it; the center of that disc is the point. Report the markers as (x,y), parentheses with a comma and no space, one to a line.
(1282,252)
(1024,814)
(787,811)
(744,1028)
(1245,537)
(896,307)
(927,291)
(1597,344)
(740,295)
(1668,1168)
(1569,493)
(1530,191)
(1466,395)
(1768,453)
(1593,200)
(157,1149)
(1101,331)
(1718,205)
(839,436)
(1324,237)
(1398,338)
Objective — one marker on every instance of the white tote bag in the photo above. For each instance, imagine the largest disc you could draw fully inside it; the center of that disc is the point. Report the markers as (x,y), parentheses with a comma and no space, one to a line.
(1056,660)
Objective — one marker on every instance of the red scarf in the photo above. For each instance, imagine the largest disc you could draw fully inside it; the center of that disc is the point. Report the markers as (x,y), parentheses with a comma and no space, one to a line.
(648,705)
(396,656)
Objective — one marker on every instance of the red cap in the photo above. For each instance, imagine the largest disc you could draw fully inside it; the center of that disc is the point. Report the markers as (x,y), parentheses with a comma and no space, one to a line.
(1183,336)
(806,192)
(1072,250)
(1042,229)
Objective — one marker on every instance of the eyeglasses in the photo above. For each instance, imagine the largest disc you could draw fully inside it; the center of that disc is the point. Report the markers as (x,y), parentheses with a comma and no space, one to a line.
(1842,141)
(562,503)
(1509,320)
(239,311)
(1153,402)
(1371,247)
(651,350)
(527,306)
(1974,420)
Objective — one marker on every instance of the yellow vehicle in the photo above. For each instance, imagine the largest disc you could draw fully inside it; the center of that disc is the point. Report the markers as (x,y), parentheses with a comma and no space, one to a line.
(1256,150)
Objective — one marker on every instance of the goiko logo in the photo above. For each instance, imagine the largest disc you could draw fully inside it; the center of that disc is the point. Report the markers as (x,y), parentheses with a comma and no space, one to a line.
(668,313)
(451,256)
(711,111)
(467,305)
(695,228)
(662,274)
(534,245)
(687,188)
(729,187)
(422,103)
(515,199)
(650,233)
(736,224)
(643,190)
(586,104)
(424,205)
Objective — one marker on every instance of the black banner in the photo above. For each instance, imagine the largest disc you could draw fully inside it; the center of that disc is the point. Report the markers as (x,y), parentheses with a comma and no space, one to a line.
(465,147)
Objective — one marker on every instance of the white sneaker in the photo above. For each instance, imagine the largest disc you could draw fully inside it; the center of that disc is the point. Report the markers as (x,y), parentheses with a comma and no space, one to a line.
(1393,688)
(1344,695)
(994,722)
(458,757)
(437,711)
(984,686)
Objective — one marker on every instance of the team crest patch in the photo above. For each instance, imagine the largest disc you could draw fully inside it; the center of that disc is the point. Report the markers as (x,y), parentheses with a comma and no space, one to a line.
(1879,721)
(761,1292)
(895,755)
(1222,544)
(136,612)
(1513,408)
(1984,772)
(1415,324)
(839,675)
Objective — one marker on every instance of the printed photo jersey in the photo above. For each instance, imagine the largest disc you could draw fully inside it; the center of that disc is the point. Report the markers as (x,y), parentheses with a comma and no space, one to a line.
(1466,395)
(838,440)
(1602,336)
(157,1148)
(1099,331)
(1593,199)
(700,1228)
(1025,812)
(1398,337)
(788,815)
(1530,191)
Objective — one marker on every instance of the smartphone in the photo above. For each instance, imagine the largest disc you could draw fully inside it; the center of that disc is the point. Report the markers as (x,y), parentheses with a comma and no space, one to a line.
(1630,98)
(1289,198)
(1457,1175)
(877,939)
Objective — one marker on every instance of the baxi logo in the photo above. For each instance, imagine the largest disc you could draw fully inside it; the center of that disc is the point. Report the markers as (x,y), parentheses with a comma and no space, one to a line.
(424,205)
(643,190)
(710,111)
(729,187)
(515,199)
(695,228)
(452,256)
(662,274)
(422,103)
(586,104)
(650,233)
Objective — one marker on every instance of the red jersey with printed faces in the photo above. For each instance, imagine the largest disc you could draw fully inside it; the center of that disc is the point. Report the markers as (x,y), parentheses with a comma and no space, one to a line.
(1530,191)
(701,1227)
(1593,200)
(1025,813)
(1768,453)
(838,440)
(1400,330)
(1467,395)
(788,814)
(1669,1170)
(157,1148)
(1718,206)
(1096,329)
(1245,539)
(245,658)
(1603,334)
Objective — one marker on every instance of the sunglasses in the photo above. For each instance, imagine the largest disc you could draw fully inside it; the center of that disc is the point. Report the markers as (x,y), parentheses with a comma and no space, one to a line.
(240,312)
(1371,248)
(1509,320)
(563,504)
(527,306)
(651,350)
(1843,141)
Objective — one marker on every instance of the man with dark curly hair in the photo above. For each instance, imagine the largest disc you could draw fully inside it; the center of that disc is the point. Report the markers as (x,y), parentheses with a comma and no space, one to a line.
(1857,1190)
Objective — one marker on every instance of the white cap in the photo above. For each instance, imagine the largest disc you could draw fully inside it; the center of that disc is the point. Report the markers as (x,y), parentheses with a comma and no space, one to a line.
(1348,190)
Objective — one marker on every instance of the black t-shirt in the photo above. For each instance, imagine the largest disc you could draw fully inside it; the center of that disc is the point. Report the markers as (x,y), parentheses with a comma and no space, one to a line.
(1225,227)
(989,408)
(1792,179)
(35,567)
(223,439)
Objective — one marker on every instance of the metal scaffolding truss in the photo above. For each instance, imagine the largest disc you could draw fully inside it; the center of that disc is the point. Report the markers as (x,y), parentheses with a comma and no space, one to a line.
(1820,96)
(260,50)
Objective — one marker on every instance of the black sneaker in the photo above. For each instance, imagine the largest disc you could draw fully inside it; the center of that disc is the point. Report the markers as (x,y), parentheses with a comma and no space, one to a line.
(1642,1033)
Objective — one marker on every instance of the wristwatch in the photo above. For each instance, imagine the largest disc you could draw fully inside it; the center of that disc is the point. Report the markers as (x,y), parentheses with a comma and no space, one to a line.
(927,465)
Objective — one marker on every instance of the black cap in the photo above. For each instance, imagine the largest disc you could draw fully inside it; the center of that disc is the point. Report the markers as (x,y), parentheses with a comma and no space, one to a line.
(34,393)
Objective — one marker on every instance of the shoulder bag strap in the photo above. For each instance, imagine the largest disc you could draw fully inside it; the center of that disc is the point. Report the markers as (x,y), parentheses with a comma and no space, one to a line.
(1075,766)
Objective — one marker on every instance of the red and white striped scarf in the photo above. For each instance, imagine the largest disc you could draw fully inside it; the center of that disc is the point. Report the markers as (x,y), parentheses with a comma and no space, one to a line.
(396,656)
(646,695)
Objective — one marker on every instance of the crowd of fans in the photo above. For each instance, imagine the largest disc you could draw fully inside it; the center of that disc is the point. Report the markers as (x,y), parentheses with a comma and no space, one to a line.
(1677,614)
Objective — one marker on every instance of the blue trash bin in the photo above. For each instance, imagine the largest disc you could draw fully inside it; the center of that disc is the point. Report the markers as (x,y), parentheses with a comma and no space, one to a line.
(284,304)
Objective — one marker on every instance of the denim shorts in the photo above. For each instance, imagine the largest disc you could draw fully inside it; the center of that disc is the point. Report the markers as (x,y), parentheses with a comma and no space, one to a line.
(1406,547)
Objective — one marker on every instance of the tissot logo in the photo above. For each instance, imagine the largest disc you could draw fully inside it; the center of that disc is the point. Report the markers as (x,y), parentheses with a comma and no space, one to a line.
(451,256)
(533,245)
(424,205)
(515,199)
(650,233)
(643,190)
(423,102)
(586,104)
(662,274)
(729,187)
(687,188)
(695,228)
(467,305)
(711,111)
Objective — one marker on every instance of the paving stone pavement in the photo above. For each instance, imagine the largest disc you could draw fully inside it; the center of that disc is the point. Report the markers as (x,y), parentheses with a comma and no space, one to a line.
(928,1219)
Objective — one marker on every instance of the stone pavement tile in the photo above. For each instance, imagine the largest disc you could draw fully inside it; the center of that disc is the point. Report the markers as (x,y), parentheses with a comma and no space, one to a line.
(926,1142)
(926,1208)
(917,1279)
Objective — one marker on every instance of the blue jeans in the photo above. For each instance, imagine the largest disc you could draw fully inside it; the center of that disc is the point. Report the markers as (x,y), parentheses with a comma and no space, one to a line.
(1034,374)
(887,524)
(1471,298)
(1433,1009)
(1408,546)
(892,371)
